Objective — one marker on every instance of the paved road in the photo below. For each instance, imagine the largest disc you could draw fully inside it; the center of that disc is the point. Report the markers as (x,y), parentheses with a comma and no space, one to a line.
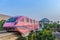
(57,35)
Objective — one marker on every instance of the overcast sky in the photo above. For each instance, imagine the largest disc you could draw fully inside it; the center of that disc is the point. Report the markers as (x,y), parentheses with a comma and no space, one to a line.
(36,9)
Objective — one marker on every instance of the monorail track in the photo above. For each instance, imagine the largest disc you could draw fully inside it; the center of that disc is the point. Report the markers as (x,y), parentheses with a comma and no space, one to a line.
(3,32)
(8,36)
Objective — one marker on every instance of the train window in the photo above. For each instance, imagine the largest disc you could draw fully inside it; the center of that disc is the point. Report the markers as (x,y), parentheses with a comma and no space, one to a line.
(27,19)
(13,19)
(22,20)
(31,21)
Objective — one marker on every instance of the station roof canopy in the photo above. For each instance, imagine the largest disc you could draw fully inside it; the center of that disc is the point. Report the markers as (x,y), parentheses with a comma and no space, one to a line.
(44,20)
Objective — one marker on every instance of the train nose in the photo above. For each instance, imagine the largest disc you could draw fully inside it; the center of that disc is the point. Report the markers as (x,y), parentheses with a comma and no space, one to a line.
(8,24)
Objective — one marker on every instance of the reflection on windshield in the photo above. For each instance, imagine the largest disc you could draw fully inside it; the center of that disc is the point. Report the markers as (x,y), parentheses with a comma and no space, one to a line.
(11,20)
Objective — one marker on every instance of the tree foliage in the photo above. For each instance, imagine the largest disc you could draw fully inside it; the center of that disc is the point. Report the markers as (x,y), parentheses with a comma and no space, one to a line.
(45,34)
(1,24)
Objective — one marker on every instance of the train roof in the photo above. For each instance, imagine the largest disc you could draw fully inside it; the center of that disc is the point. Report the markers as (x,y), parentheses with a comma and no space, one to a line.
(19,16)
(24,17)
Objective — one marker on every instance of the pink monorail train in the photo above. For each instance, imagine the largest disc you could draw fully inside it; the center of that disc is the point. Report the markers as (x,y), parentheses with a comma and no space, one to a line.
(21,24)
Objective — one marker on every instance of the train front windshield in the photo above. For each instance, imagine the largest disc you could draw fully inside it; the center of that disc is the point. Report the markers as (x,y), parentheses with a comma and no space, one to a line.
(11,19)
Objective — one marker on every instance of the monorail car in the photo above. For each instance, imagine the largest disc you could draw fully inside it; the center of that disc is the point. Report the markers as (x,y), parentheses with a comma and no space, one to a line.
(21,24)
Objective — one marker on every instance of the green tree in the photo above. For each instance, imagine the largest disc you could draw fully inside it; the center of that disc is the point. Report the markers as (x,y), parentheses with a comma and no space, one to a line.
(45,35)
(1,24)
